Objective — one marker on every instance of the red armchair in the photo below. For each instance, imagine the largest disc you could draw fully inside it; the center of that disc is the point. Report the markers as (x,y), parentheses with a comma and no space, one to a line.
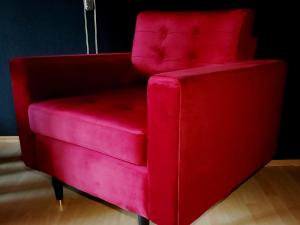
(166,148)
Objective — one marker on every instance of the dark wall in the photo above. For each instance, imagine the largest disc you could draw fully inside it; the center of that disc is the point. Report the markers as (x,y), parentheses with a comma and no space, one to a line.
(32,27)
(50,28)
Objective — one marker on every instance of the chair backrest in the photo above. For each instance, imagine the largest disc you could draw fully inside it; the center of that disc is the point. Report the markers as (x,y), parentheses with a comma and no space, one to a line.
(166,41)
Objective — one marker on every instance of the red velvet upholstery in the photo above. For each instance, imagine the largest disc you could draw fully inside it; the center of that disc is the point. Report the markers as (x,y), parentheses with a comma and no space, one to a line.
(113,123)
(219,124)
(167,41)
(200,132)
(113,180)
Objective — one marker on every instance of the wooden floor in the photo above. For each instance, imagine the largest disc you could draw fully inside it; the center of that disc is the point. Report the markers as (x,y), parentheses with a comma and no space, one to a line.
(272,197)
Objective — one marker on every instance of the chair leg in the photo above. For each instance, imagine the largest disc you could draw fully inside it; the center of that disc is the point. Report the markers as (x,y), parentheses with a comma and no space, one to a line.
(58,188)
(143,221)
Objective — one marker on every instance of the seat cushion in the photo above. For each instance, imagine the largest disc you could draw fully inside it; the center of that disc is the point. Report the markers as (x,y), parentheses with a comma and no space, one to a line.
(113,122)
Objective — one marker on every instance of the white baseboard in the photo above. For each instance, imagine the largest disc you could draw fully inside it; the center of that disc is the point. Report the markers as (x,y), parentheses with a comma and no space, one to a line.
(9,138)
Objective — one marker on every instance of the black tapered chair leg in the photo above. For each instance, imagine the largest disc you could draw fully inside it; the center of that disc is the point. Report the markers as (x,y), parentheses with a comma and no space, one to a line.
(58,188)
(143,221)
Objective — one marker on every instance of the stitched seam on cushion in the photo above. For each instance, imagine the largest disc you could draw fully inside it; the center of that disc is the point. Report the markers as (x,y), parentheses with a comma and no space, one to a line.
(100,149)
(87,144)
(96,151)
(93,123)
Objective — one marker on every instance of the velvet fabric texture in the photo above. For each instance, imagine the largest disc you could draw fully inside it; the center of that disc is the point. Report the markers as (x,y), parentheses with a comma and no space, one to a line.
(113,180)
(168,149)
(219,125)
(113,122)
(167,41)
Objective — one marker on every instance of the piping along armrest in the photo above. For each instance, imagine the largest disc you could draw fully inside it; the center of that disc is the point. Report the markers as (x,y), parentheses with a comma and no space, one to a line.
(40,78)
(208,130)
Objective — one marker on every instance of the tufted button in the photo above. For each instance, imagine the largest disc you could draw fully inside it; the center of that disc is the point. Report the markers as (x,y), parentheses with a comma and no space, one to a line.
(195,31)
(163,33)
(192,56)
(161,54)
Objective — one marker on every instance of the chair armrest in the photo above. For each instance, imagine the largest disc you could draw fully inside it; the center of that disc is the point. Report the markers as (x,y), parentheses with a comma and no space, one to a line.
(40,78)
(208,130)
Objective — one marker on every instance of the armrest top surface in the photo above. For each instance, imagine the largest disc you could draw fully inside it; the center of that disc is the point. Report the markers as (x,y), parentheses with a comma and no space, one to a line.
(212,69)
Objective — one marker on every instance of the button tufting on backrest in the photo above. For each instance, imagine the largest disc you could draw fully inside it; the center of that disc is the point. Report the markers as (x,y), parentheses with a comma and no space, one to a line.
(192,55)
(166,41)
(195,31)
(163,33)
(161,54)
